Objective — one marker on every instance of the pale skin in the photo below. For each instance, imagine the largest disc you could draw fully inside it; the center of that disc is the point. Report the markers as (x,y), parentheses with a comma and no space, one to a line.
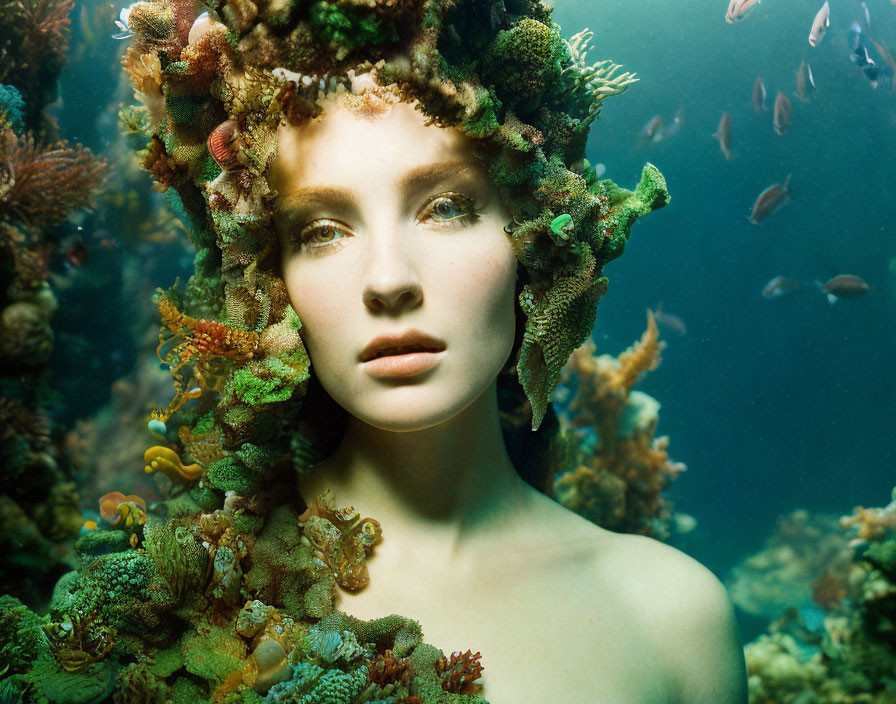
(561,610)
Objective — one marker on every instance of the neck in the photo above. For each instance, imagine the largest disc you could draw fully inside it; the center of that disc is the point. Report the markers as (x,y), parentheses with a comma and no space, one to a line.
(438,492)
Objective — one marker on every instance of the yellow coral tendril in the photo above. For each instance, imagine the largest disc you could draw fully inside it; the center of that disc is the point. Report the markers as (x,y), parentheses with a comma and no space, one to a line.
(165,460)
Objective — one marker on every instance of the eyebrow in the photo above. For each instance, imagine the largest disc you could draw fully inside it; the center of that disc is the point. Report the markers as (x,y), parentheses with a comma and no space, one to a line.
(413,181)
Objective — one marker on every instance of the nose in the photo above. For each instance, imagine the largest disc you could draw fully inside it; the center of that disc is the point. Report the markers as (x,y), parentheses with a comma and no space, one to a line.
(391,281)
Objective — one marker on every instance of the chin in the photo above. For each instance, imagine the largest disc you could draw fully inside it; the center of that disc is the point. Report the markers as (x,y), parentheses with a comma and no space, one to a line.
(407,409)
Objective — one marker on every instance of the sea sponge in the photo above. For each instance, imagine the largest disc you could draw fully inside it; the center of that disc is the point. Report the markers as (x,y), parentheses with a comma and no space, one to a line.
(26,337)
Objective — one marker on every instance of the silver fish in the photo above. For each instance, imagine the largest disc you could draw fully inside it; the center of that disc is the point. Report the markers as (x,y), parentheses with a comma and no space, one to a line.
(723,134)
(759,95)
(804,82)
(740,9)
(653,130)
(820,24)
(779,286)
(770,200)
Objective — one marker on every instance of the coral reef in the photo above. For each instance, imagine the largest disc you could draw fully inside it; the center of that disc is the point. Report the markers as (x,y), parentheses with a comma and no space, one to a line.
(847,652)
(620,468)
(42,181)
(805,550)
(224,590)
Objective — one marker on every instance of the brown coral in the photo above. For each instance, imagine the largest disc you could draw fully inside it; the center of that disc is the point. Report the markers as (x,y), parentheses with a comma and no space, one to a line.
(459,673)
(47,182)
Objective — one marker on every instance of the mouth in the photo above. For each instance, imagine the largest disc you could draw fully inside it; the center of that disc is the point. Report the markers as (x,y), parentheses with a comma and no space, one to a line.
(399,344)
(399,350)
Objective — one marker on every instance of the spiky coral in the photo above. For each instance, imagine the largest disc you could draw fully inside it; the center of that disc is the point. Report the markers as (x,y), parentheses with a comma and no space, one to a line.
(621,471)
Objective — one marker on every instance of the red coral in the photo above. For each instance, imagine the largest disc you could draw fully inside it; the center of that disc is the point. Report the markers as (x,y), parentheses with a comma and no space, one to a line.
(460,672)
(47,183)
(386,669)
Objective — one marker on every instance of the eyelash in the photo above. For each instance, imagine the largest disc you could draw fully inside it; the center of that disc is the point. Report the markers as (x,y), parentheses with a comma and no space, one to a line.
(467,203)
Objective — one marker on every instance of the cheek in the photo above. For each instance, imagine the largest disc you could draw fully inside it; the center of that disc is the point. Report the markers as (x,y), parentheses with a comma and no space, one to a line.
(318,305)
(485,294)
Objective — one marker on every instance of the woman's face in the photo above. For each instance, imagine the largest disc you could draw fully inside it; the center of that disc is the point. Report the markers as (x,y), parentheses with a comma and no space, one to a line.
(388,225)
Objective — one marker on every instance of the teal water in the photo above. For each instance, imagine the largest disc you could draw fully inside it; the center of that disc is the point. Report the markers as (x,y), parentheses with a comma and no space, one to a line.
(773,405)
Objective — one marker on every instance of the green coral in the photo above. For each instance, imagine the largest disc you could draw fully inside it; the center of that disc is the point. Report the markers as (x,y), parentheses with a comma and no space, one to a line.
(346,28)
(229,474)
(213,652)
(524,61)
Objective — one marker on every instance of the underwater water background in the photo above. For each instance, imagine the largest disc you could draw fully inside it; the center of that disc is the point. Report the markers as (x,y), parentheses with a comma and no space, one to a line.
(773,405)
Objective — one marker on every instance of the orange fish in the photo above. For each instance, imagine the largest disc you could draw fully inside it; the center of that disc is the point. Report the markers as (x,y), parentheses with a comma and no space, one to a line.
(770,200)
(759,95)
(723,134)
(782,113)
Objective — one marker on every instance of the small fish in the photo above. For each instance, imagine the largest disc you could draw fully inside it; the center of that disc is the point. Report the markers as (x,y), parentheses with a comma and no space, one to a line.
(820,25)
(779,286)
(844,286)
(723,134)
(783,109)
(770,200)
(863,60)
(867,15)
(76,254)
(759,96)
(653,130)
(810,76)
(677,122)
(804,84)
(740,9)
(669,320)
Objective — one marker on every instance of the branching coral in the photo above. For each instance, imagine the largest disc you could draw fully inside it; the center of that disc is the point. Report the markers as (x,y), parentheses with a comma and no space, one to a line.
(34,37)
(46,182)
(624,468)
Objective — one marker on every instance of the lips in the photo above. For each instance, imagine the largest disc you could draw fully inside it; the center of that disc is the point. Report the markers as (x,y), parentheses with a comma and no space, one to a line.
(400,343)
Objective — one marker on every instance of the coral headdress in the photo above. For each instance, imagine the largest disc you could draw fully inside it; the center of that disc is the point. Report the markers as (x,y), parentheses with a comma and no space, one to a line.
(213,91)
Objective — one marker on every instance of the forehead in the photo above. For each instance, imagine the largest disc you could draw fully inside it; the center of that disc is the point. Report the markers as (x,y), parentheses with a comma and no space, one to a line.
(345,147)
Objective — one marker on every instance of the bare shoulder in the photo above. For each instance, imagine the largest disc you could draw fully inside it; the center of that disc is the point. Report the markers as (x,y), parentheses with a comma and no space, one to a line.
(685,610)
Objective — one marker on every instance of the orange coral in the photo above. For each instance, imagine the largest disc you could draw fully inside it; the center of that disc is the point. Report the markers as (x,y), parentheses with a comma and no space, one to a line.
(203,339)
(874,523)
(115,507)
(618,482)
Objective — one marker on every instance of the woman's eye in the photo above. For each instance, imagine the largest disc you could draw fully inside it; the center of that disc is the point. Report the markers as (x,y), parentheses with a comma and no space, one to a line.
(450,207)
(321,234)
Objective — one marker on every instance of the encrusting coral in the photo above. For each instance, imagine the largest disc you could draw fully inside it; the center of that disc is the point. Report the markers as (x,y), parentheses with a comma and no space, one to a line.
(844,649)
(621,468)
(225,591)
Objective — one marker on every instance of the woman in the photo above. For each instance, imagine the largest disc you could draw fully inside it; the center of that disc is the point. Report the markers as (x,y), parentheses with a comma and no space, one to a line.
(399,187)
(469,549)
